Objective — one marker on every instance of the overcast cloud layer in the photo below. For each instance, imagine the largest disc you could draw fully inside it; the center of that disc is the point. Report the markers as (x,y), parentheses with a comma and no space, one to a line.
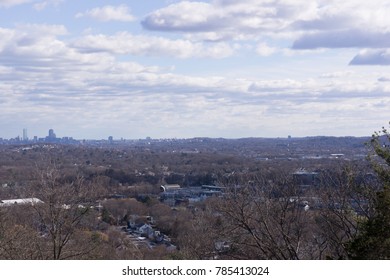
(218,68)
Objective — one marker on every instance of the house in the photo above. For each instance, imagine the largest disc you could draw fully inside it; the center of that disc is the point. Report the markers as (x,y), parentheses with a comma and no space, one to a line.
(146,231)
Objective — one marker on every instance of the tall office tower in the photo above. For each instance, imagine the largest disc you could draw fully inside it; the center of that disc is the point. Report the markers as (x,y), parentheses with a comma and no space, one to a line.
(52,135)
(25,137)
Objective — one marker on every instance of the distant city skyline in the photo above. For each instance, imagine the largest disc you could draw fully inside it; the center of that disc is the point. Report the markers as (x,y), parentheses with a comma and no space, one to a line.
(51,135)
(79,136)
(184,69)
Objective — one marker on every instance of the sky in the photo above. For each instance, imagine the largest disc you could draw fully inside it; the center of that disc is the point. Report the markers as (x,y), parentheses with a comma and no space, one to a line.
(183,69)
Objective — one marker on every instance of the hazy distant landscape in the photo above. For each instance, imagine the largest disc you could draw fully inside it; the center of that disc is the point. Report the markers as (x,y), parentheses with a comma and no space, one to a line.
(194,129)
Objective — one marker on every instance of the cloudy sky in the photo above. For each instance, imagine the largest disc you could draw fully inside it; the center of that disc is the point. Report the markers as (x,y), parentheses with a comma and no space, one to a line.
(217,68)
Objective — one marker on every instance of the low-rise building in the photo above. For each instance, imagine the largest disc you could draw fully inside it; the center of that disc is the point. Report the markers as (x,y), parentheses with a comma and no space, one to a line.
(20,201)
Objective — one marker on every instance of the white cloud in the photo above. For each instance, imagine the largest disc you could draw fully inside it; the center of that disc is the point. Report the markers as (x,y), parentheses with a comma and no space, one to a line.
(263,49)
(41,5)
(337,75)
(40,30)
(229,18)
(38,5)
(44,4)
(185,16)
(319,24)
(10,3)
(48,78)
(109,13)
(126,43)
(28,39)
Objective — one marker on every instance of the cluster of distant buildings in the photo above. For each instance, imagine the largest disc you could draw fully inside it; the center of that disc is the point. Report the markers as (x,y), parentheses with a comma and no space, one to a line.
(50,138)
(142,232)
(173,194)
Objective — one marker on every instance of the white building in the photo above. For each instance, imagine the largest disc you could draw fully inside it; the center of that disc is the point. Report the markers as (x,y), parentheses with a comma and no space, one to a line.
(20,201)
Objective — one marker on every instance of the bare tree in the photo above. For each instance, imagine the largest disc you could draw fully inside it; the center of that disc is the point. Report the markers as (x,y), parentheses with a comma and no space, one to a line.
(264,219)
(345,197)
(17,239)
(65,216)
(116,245)
(198,234)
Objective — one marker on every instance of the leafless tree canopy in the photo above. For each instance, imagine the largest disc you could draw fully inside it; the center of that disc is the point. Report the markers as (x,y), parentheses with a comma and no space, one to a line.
(88,200)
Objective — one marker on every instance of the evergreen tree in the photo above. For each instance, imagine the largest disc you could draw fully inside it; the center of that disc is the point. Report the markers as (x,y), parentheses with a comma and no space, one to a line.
(373,241)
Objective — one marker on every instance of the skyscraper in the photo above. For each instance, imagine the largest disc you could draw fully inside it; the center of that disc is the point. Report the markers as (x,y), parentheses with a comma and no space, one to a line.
(25,137)
(52,135)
